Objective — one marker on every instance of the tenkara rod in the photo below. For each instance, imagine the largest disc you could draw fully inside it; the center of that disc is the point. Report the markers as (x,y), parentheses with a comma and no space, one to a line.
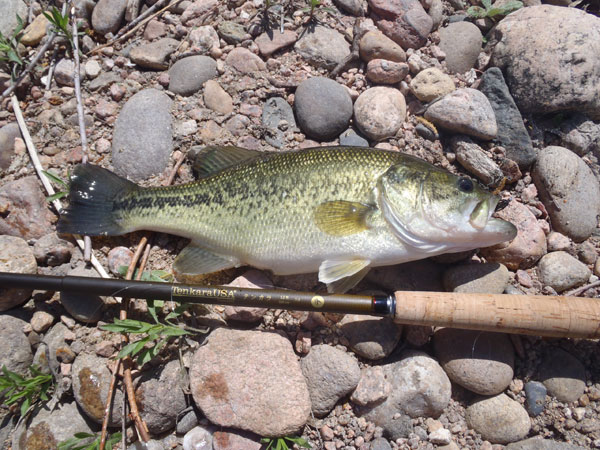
(552,316)
(382,305)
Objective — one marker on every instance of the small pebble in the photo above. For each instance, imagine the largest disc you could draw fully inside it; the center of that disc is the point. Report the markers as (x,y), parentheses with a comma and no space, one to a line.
(535,394)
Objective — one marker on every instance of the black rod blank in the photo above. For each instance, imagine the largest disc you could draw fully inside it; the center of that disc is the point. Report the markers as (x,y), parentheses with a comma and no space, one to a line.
(221,295)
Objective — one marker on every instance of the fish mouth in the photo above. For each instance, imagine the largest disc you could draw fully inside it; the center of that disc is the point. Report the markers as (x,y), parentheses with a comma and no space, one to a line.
(481,219)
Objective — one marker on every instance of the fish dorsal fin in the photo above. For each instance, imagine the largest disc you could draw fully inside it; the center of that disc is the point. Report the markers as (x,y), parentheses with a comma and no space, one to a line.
(341,276)
(342,218)
(214,158)
(194,260)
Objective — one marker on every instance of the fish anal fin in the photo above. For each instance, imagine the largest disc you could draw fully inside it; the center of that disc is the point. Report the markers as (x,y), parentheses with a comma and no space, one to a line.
(342,218)
(194,260)
(214,158)
(341,276)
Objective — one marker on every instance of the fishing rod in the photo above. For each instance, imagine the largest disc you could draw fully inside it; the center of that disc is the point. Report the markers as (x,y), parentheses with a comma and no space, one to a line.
(552,316)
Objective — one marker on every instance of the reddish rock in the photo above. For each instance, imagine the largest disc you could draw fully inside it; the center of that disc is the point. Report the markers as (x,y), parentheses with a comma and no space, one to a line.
(269,43)
(243,60)
(386,72)
(403,21)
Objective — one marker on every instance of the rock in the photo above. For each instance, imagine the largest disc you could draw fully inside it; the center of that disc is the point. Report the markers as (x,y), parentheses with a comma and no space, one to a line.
(475,161)
(430,84)
(379,112)
(194,14)
(580,134)
(488,278)
(35,31)
(64,71)
(92,68)
(461,42)
(16,354)
(386,72)
(188,75)
(512,134)
(86,308)
(323,108)
(371,337)
(269,43)
(231,32)
(253,279)
(154,55)
(142,138)
(84,9)
(104,81)
(15,257)
(160,397)
(372,388)
(436,12)
(47,428)
(561,271)
(553,71)
(186,422)
(498,419)
(154,30)
(8,134)
(277,118)
(535,443)
(535,395)
(465,111)
(420,388)
(216,98)
(229,440)
(354,7)
(569,190)
(50,250)
(119,257)
(351,138)
(108,15)
(586,252)
(58,350)
(41,321)
(244,61)
(8,18)
(322,47)
(375,45)
(563,375)
(481,362)
(380,444)
(198,438)
(441,436)
(237,381)
(91,380)
(405,21)
(557,241)
(525,249)
(330,374)
(204,40)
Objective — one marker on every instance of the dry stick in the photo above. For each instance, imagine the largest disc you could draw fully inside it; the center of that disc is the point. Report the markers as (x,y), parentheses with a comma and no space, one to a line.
(107,406)
(134,29)
(582,289)
(39,169)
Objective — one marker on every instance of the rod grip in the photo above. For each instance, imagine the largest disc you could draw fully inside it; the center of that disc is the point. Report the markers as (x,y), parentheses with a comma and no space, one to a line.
(552,316)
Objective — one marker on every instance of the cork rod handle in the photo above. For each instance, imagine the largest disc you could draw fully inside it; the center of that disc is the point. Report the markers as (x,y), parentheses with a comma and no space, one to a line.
(556,316)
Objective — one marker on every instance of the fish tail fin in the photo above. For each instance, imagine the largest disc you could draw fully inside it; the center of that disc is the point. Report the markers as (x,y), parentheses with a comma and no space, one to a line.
(92,192)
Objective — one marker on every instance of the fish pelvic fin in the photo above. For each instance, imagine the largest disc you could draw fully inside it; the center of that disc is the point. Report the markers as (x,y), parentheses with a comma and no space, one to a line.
(195,260)
(341,276)
(92,192)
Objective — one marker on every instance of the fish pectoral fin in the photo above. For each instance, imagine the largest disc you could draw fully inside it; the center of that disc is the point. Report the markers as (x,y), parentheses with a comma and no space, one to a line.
(342,218)
(341,276)
(195,260)
(214,158)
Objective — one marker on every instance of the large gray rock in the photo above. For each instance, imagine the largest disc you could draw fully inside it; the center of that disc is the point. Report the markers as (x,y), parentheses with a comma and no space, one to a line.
(15,257)
(461,42)
(188,75)
(490,278)
(561,271)
(498,419)
(481,362)
(563,375)
(237,381)
(578,133)
(8,18)
(512,134)
(17,355)
(569,190)
(330,374)
(277,118)
(535,443)
(556,69)
(322,47)
(143,136)
(323,108)
(154,55)
(371,337)
(108,15)
(475,160)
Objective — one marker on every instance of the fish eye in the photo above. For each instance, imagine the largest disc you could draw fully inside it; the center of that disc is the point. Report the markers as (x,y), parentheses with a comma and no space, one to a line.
(465,184)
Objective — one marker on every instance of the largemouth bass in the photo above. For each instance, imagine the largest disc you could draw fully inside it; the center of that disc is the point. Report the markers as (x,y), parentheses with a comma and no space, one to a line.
(335,210)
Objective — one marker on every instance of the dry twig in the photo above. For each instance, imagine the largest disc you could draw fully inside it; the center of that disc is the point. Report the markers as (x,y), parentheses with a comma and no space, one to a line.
(582,289)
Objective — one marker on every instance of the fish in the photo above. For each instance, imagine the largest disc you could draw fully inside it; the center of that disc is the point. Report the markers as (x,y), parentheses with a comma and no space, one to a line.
(333,210)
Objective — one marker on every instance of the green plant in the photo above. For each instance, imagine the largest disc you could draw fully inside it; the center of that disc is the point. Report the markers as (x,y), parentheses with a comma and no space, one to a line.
(60,23)
(60,182)
(81,441)
(492,12)
(281,444)
(15,388)
(9,49)
(312,7)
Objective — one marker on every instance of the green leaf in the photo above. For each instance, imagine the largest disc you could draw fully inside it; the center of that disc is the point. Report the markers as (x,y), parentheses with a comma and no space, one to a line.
(56,196)
(301,442)
(55,178)
(487,4)
(476,12)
